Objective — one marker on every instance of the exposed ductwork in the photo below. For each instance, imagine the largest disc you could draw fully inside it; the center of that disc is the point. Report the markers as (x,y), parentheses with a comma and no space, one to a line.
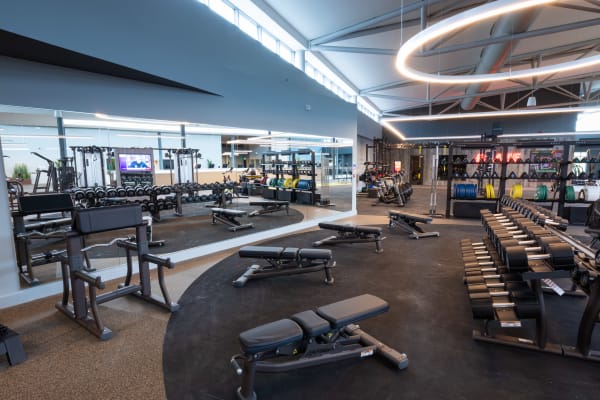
(494,56)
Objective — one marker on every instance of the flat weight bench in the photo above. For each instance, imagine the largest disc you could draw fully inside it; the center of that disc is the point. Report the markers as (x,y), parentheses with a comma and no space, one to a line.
(285,261)
(351,234)
(408,222)
(311,338)
(270,207)
(228,217)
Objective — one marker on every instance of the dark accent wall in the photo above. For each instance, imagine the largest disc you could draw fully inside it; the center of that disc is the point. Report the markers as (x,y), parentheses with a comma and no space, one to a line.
(550,123)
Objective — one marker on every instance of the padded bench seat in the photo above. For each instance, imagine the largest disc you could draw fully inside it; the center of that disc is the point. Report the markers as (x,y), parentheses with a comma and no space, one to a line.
(350,228)
(285,261)
(312,323)
(271,335)
(408,222)
(229,211)
(348,233)
(353,310)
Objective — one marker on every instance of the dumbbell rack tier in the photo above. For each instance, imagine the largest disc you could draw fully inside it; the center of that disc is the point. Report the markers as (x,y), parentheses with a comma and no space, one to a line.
(507,318)
(300,164)
(152,199)
(503,174)
(546,226)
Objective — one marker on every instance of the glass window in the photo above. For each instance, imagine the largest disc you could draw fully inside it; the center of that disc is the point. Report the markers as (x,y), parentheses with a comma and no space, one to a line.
(223,10)
(269,41)
(286,53)
(248,26)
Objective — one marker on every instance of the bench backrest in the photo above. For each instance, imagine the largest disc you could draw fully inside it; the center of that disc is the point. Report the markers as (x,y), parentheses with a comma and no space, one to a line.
(45,203)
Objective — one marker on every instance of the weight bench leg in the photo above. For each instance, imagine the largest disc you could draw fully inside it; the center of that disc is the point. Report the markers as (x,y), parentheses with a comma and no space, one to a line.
(246,391)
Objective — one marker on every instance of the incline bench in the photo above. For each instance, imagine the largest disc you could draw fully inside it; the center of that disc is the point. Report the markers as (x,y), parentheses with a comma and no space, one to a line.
(270,207)
(285,261)
(351,234)
(228,217)
(408,222)
(311,338)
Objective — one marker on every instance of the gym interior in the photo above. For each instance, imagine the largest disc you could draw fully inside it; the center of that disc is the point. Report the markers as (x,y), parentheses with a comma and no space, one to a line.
(214,222)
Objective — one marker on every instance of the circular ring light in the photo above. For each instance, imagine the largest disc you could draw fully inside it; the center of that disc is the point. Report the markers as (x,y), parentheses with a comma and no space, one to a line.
(469,17)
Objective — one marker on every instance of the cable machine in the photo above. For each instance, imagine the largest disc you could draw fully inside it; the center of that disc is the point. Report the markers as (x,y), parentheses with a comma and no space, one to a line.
(89,164)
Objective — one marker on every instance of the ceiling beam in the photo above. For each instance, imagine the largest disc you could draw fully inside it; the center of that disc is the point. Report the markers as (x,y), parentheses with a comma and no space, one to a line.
(358,50)
(410,23)
(334,36)
(511,37)
(576,7)
(282,22)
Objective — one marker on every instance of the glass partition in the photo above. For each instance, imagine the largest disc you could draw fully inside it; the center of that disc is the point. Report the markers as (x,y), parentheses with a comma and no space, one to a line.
(189,170)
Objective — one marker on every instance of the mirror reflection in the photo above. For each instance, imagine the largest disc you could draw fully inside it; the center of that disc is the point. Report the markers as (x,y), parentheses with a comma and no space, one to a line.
(196,184)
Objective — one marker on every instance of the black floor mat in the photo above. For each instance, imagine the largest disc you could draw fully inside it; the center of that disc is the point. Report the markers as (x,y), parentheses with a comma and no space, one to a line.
(429,319)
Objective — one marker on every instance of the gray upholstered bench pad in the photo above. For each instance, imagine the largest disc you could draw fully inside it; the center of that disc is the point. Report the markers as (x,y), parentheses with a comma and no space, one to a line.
(267,203)
(413,217)
(350,228)
(352,310)
(261,251)
(229,211)
(312,323)
(270,336)
(315,254)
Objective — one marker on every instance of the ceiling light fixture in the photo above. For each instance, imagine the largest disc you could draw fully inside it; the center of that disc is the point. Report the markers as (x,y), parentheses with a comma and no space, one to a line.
(472,16)
(44,137)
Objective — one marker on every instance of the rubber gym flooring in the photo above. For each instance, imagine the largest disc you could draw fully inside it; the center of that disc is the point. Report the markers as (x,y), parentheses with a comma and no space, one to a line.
(429,320)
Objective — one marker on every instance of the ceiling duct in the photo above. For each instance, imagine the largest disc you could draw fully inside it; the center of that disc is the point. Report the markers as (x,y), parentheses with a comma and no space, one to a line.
(494,56)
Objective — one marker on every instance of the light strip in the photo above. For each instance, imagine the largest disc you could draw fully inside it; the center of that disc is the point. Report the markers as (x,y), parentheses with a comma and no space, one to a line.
(44,137)
(150,136)
(513,113)
(472,16)
(505,135)
(137,120)
(164,126)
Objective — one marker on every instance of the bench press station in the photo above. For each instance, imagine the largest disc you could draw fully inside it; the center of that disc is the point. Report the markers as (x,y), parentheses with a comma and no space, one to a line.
(75,278)
(408,222)
(228,217)
(351,234)
(312,338)
(270,207)
(285,261)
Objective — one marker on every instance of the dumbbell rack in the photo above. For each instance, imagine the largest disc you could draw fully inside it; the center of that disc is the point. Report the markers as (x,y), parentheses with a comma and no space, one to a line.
(538,272)
(507,317)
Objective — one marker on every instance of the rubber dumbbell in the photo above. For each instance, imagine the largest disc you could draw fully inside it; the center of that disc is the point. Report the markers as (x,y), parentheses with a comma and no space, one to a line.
(498,289)
(558,256)
(524,304)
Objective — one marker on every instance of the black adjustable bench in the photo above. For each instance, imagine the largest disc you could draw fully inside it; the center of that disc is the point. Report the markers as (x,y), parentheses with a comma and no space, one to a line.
(351,234)
(408,222)
(285,261)
(311,338)
(270,206)
(228,217)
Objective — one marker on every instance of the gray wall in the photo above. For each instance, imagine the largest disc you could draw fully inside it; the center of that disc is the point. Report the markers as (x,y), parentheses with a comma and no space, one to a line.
(179,40)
